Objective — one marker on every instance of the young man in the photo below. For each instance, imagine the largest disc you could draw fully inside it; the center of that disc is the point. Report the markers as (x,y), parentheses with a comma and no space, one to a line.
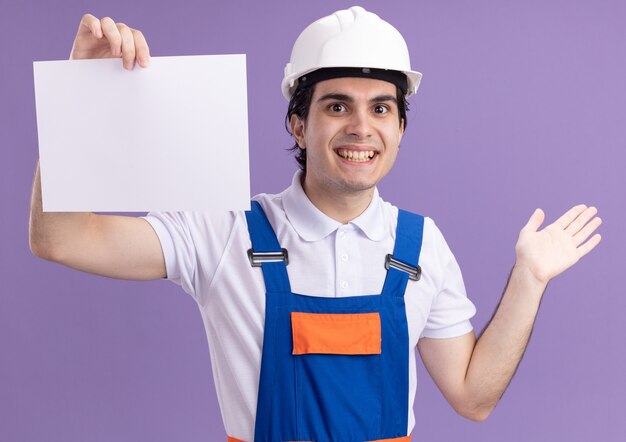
(314,301)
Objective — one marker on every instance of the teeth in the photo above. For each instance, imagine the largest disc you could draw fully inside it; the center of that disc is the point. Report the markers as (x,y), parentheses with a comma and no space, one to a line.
(356,156)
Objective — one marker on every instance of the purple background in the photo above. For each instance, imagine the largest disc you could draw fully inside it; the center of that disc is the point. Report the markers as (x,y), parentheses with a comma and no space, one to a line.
(521,106)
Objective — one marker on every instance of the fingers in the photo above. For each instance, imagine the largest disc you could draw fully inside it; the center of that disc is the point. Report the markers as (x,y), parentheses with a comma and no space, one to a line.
(535,221)
(125,42)
(587,230)
(91,24)
(589,245)
(142,50)
(112,35)
(570,216)
(579,222)
(128,45)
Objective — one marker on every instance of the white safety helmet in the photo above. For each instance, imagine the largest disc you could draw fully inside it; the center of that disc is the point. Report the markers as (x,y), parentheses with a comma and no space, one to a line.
(350,38)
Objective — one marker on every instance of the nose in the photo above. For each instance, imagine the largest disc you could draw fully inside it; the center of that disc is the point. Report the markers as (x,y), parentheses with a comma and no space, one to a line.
(359,124)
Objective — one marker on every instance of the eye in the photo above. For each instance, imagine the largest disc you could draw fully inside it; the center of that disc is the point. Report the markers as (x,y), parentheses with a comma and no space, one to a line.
(381,109)
(337,107)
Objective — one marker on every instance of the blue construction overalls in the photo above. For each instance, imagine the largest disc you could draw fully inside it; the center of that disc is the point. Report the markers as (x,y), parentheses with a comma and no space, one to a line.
(334,369)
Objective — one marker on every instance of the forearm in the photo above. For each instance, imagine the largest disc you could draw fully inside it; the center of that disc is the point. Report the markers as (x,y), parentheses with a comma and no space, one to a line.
(500,348)
(49,231)
(473,374)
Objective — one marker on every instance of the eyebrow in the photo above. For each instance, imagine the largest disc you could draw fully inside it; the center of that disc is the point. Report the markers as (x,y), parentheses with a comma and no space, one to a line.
(349,99)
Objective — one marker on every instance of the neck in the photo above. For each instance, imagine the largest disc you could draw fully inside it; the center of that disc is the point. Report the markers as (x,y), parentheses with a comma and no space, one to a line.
(340,206)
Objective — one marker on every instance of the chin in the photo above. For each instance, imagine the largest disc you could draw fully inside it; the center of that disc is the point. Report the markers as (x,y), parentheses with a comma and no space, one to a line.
(358,185)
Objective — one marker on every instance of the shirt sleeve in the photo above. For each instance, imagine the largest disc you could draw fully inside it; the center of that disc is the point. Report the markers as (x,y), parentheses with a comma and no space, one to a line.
(451,309)
(193,244)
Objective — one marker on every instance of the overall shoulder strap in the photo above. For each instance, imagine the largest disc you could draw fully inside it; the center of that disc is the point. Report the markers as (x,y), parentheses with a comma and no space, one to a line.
(266,250)
(404,263)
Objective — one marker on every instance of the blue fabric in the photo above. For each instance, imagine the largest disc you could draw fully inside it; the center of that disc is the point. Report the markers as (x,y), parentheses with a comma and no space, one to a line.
(264,240)
(320,397)
(409,232)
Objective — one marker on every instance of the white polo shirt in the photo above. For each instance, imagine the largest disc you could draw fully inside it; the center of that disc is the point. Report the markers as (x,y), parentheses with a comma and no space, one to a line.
(205,253)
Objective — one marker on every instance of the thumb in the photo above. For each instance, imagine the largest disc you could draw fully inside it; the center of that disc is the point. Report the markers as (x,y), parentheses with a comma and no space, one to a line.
(535,221)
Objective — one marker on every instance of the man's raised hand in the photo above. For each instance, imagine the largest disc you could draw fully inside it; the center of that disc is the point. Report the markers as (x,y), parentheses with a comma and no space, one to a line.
(552,250)
(103,38)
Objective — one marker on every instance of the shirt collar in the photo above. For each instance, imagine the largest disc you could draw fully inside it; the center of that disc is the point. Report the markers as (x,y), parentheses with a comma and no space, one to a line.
(312,224)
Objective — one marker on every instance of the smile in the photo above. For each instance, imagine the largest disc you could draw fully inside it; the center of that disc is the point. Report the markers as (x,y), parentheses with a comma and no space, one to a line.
(357,156)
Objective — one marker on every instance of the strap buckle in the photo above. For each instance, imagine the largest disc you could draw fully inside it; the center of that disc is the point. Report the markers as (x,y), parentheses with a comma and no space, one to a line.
(415,273)
(258,258)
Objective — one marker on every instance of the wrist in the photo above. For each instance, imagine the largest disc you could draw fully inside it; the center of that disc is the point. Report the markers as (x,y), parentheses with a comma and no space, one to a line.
(524,275)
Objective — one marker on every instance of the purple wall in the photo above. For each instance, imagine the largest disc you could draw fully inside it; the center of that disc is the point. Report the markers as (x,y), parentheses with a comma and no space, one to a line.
(521,106)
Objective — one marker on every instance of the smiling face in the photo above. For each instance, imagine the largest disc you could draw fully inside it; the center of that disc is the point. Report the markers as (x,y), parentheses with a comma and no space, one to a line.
(351,136)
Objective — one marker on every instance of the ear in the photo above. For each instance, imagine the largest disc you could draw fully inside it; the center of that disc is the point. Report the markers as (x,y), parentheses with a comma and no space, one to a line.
(297,130)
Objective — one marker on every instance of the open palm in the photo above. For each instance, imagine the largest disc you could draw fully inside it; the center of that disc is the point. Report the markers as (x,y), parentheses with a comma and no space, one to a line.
(552,250)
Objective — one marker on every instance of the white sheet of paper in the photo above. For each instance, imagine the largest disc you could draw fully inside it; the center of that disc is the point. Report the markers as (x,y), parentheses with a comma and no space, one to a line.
(171,137)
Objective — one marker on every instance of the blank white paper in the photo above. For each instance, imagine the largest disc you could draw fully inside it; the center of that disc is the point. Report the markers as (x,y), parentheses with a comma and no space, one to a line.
(171,137)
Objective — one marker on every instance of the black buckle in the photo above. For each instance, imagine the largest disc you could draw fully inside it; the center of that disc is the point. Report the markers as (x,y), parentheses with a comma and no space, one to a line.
(258,258)
(415,273)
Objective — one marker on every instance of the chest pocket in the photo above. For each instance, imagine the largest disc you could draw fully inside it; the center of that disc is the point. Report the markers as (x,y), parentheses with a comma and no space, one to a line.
(338,375)
(336,333)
